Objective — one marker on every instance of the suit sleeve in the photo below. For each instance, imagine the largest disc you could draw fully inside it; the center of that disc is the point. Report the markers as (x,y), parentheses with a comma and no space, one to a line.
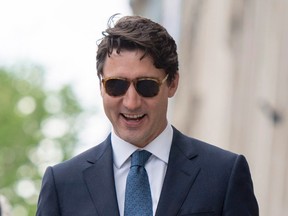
(240,199)
(48,204)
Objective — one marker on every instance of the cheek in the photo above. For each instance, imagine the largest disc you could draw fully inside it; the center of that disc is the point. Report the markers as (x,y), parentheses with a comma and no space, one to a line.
(160,107)
(110,104)
(107,103)
(109,110)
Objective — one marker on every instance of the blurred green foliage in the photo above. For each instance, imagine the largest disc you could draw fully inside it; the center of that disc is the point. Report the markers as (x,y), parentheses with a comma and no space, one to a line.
(37,129)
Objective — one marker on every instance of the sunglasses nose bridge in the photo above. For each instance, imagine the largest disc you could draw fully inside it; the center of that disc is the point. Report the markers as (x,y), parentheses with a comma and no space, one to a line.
(134,86)
(134,82)
(131,98)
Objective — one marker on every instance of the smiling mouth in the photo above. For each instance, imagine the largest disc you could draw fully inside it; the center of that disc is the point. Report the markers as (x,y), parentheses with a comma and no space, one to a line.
(133,117)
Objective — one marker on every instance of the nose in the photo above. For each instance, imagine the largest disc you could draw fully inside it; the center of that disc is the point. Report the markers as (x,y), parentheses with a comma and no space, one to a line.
(131,99)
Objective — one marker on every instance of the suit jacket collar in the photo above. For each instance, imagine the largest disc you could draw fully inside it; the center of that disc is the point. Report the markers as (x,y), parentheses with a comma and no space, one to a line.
(181,173)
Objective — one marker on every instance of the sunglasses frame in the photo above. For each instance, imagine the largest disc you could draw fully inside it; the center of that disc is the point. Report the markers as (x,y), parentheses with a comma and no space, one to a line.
(134,81)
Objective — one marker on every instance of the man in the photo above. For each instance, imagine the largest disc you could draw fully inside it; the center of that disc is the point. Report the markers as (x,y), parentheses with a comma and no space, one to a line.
(5,207)
(137,64)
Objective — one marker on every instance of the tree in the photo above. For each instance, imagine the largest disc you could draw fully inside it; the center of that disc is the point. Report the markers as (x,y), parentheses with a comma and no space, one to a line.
(37,129)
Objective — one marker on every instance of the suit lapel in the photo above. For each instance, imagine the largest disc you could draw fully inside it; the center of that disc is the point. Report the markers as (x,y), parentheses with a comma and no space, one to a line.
(99,178)
(182,172)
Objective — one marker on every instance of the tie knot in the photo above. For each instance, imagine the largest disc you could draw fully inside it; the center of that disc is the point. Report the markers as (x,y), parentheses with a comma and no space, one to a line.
(139,158)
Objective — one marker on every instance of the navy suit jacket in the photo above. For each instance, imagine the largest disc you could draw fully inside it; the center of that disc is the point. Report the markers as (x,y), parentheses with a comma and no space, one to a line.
(201,179)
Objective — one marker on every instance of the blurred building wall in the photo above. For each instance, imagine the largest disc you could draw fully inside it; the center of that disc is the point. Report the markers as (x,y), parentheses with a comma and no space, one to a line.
(233,88)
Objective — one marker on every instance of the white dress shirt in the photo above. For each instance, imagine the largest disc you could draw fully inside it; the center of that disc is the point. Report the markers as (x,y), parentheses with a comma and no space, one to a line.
(156,165)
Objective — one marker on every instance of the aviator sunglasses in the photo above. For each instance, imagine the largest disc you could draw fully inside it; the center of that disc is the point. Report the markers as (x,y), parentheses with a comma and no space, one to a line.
(146,87)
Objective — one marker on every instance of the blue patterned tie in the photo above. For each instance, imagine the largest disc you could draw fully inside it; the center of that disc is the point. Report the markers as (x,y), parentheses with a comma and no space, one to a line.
(138,201)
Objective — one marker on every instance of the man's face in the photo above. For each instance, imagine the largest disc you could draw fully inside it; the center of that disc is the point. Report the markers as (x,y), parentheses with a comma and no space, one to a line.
(136,119)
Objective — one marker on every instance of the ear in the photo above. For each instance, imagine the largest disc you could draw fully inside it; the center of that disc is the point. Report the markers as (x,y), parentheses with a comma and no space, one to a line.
(173,85)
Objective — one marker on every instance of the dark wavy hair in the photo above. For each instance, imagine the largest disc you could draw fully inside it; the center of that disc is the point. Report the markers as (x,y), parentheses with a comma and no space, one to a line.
(139,33)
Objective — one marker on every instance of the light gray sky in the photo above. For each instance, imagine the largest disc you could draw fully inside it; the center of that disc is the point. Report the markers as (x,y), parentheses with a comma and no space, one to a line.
(61,36)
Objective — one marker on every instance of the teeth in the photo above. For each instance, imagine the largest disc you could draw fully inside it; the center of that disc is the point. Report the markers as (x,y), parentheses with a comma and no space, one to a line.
(131,116)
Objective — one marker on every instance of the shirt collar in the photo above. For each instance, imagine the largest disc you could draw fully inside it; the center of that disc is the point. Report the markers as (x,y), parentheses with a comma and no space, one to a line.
(159,147)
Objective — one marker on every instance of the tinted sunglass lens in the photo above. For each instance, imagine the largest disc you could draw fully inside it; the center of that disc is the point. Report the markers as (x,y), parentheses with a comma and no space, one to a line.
(116,87)
(147,88)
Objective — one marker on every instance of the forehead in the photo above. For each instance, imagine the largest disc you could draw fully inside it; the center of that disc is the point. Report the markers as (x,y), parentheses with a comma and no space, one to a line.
(130,64)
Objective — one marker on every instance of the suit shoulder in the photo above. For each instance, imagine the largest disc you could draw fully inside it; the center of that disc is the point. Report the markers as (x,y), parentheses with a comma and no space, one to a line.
(85,158)
(211,149)
(201,148)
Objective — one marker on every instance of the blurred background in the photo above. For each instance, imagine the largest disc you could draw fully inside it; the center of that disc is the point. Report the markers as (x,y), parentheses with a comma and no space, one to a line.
(233,89)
